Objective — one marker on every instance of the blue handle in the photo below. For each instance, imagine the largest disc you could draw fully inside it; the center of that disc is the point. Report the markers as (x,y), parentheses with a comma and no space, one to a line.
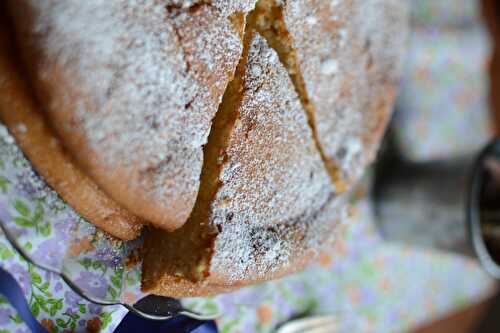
(11,290)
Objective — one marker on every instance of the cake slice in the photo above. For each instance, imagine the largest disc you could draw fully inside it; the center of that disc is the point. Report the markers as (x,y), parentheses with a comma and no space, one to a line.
(131,88)
(344,58)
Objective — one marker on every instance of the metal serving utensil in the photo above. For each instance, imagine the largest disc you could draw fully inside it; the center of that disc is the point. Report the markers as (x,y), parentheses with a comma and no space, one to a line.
(151,307)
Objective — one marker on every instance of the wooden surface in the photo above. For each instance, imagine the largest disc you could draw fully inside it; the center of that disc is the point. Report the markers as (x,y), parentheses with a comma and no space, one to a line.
(466,320)
(491,12)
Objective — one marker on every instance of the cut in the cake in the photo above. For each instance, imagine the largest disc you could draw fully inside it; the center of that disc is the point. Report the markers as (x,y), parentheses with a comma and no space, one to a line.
(344,68)
(186,252)
(268,204)
(270,23)
(349,56)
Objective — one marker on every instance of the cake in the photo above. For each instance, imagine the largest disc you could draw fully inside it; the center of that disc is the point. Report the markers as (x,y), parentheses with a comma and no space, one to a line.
(233,130)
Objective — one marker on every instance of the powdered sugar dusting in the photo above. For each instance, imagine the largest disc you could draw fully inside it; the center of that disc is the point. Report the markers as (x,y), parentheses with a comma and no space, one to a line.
(230,6)
(274,183)
(329,66)
(145,81)
(226,7)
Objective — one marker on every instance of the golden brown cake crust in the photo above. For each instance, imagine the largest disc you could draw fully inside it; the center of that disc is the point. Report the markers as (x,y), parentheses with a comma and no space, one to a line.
(20,113)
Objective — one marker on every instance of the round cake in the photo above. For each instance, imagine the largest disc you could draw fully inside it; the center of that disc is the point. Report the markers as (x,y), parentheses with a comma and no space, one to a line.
(231,129)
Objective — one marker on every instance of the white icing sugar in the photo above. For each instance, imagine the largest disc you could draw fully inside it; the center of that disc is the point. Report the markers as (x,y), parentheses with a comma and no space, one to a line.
(343,35)
(329,66)
(311,20)
(335,3)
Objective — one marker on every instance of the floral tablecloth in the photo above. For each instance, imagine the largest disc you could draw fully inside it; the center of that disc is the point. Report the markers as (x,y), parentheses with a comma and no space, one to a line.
(371,285)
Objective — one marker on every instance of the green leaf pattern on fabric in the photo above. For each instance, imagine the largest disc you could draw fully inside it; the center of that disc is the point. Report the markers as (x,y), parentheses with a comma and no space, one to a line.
(106,318)
(229,326)
(16,319)
(4,184)
(41,298)
(5,252)
(31,219)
